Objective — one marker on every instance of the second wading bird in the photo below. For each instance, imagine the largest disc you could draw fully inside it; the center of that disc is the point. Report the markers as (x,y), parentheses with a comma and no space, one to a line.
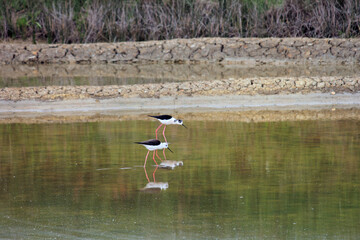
(154,145)
(167,120)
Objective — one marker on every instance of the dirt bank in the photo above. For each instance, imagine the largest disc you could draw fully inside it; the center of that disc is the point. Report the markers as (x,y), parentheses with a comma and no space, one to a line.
(314,105)
(242,50)
(263,81)
(245,86)
(194,77)
(243,116)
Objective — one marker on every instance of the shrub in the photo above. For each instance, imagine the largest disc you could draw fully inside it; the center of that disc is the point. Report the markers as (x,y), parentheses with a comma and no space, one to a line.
(84,21)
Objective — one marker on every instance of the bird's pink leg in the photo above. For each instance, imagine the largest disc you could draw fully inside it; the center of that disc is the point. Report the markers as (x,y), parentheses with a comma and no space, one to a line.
(164,154)
(158,155)
(146,158)
(154,158)
(164,133)
(147,177)
(157,130)
(154,173)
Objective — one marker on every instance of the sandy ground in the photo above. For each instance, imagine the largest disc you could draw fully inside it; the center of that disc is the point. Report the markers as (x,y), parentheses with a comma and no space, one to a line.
(251,108)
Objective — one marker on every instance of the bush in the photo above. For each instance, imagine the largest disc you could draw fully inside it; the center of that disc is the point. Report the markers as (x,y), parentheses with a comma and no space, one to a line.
(85,21)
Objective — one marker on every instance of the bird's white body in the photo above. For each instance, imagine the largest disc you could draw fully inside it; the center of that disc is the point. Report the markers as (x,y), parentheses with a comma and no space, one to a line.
(171,121)
(168,120)
(156,147)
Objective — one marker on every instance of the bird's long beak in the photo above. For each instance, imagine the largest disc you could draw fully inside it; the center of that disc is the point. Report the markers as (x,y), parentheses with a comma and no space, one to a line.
(170,150)
(184,126)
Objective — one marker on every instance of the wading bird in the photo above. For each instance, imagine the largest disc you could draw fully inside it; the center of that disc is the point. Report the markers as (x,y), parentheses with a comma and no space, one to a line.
(154,145)
(167,120)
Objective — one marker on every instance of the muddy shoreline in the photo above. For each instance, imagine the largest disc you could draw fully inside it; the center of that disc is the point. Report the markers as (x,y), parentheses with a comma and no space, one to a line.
(257,56)
(244,86)
(232,116)
(110,81)
(283,107)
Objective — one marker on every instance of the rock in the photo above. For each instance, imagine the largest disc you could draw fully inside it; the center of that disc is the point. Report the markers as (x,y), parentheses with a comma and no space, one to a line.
(320,48)
(288,52)
(124,52)
(300,83)
(342,53)
(272,53)
(321,85)
(181,53)
(252,47)
(270,42)
(231,50)
(52,54)
(151,53)
(257,53)
(347,44)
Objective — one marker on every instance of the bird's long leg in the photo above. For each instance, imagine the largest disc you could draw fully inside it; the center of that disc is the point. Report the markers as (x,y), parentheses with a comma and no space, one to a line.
(154,173)
(158,155)
(154,158)
(164,133)
(158,130)
(146,158)
(164,154)
(147,177)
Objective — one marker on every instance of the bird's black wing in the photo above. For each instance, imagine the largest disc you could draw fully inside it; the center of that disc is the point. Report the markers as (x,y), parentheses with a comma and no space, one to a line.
(162,117)
(152,142)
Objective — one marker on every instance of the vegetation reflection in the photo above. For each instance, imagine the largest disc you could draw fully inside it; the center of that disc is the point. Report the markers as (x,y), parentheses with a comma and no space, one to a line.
(276,179)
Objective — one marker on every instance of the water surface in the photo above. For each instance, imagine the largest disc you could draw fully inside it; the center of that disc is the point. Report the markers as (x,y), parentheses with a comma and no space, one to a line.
(273,180)
(129,74)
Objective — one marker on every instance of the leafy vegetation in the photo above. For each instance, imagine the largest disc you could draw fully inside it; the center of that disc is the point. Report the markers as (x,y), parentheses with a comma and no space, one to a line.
(84,21)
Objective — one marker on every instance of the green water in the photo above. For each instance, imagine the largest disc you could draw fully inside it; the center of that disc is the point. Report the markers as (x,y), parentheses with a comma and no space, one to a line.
(279,180)
(76,81)
(140,73)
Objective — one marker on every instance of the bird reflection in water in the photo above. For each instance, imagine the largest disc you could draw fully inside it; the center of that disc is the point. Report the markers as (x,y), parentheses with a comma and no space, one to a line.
(169,164)
(154,186)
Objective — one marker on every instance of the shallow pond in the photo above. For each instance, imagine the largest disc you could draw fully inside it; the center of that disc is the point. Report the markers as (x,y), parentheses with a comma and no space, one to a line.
(274,180)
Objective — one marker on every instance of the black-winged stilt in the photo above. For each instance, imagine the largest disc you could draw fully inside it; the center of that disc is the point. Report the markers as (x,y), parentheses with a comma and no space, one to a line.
(167,120)
(154,145)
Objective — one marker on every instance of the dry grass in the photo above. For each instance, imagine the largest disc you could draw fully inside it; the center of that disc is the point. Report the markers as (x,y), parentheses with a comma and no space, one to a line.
(111,21)
(322,18)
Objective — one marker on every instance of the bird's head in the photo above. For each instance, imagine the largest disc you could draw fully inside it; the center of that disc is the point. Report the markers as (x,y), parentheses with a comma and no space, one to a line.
(166,145)
(179,122)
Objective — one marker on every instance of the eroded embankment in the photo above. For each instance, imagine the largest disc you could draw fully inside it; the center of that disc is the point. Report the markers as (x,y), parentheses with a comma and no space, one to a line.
(247,86)
(238,51)
(248,50)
